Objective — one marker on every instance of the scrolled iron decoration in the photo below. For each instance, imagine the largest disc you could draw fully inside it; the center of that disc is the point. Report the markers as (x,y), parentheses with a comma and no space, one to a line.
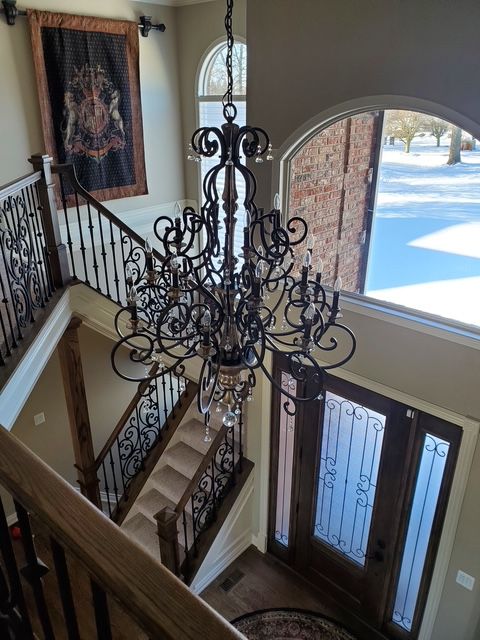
(197,299)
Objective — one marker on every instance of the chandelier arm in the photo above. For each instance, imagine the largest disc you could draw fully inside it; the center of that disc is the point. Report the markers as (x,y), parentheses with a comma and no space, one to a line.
(315,395)
(144,359)
(350,353)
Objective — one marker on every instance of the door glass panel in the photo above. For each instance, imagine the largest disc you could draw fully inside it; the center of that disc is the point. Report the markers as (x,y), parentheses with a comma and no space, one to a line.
(351,448)
(285,462)
(427,489)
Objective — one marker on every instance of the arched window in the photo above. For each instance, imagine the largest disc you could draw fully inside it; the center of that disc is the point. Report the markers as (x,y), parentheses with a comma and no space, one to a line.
(212,84)
(393,200)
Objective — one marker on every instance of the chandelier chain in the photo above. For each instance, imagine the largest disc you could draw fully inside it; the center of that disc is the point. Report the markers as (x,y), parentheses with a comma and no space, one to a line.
(228,97)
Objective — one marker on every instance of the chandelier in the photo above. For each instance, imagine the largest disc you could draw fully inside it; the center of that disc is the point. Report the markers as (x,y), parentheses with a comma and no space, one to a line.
(197,300)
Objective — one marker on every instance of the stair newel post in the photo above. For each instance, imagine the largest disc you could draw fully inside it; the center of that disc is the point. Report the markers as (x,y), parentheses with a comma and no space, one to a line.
(76,398)
(56,250)
(168,538)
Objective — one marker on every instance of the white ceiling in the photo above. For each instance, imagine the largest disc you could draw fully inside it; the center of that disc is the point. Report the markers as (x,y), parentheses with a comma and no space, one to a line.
(172,3)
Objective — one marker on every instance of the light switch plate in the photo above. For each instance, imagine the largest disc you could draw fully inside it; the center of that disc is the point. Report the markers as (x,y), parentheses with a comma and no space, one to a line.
(39,419)
(465,580)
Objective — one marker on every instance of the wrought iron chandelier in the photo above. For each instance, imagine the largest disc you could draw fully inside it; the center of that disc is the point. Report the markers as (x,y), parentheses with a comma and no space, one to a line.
(197,300)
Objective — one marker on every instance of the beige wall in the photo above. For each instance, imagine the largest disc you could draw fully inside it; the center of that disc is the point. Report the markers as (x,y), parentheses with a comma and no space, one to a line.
(199,27)
(51,440)
(305,57)
(20,129)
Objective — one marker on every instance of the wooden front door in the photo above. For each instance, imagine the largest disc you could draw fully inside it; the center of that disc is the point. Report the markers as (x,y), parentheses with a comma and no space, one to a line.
(347,510)
(346,473)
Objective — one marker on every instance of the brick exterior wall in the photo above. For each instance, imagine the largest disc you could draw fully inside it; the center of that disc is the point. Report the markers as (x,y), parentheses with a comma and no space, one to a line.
(330,187)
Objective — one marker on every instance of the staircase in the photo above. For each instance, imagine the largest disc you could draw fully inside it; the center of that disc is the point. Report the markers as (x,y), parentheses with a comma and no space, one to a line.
(156,476)
(166,486)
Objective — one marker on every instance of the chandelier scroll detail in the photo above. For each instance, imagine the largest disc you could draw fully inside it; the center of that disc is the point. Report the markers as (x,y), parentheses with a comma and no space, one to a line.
(194,299)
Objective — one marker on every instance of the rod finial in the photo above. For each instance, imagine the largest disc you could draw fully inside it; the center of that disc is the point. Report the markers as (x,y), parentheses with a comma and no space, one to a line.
(10,10)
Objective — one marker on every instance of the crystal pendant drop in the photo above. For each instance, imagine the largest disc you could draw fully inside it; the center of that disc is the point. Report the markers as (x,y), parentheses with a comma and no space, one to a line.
(229,419)
(207,437)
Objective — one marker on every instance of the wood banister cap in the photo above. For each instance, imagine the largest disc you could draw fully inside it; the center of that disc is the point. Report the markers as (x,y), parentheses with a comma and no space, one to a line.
(150,593)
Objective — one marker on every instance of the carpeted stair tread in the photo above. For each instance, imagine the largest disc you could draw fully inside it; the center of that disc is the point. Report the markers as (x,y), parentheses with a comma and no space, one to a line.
(170,483)
(183,458)
(152,502)
(143,531)
(193,433)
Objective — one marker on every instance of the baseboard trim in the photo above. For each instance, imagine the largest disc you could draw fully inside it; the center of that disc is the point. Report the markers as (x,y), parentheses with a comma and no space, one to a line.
(260,541)
(236,547)
(231,553)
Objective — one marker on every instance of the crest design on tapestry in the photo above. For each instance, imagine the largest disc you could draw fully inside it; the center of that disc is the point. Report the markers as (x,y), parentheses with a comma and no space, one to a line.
(92,125)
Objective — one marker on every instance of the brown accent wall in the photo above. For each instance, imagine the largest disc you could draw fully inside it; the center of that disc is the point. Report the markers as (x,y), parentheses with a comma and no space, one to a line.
(330,187)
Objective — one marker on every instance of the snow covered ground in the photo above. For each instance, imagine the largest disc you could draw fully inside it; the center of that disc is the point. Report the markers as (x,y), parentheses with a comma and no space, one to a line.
(425,247)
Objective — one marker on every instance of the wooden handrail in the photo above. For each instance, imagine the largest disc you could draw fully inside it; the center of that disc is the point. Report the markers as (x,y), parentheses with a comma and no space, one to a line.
(124,417)
(160,603)
(20,183)
(192,486)
(69,171)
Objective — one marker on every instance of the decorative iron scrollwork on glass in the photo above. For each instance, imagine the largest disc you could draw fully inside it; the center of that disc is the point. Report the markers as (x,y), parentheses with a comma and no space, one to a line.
(430,474)
(286,441)
(351,448)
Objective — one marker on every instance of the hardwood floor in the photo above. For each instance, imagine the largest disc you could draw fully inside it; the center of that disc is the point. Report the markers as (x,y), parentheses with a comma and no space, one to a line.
(266,583)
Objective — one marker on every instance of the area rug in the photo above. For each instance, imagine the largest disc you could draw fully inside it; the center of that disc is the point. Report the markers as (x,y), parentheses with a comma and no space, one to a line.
(289,624)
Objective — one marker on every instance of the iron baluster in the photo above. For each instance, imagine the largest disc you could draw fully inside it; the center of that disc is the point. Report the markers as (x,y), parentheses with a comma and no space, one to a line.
(34,571)
(122,247)
(67,224)
(31,275)
(16,599)
(164,390)
(24,272)
(114,480)
(9,283)
(240,440)
(42,237)
(65,590)
(140,445)
(195,533)
(83,249)
(92,240)
(116,279)
(103,253)
(107,491)
(171,393)
(125,494)
(36,235)
(159,419)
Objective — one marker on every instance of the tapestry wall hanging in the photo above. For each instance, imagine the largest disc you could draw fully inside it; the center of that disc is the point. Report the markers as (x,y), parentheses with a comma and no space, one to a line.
(89,91)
